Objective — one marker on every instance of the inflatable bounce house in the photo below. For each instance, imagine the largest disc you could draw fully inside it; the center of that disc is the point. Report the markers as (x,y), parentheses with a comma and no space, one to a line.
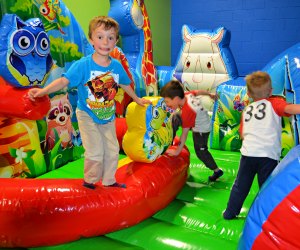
(168,202)
(39,43)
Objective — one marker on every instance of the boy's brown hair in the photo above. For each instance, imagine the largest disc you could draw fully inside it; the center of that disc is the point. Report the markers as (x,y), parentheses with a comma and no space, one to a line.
(108,23)
(172,89)
(259,84)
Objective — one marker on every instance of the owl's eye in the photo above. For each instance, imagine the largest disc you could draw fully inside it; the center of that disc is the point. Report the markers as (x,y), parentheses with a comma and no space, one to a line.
(42,44)
(22,42)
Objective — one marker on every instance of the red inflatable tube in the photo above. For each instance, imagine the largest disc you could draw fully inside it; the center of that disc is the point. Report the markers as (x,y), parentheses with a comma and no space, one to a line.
(121,128)
(15,102)
(281,228)
(43,212)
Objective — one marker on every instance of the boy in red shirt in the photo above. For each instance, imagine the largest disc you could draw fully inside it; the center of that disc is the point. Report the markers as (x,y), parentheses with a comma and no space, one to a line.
(191,115)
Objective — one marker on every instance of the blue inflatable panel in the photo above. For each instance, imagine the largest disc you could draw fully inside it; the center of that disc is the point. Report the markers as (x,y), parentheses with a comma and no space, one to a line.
(284,179)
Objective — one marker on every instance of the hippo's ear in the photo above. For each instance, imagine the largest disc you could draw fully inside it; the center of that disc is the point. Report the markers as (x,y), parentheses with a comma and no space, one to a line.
(186,36)
(217,38)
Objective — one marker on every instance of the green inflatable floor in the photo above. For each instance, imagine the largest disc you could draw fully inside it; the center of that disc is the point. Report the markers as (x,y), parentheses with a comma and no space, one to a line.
(192,221)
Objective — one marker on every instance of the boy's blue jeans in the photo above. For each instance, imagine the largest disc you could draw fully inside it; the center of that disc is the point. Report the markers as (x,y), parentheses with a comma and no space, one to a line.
(249,167)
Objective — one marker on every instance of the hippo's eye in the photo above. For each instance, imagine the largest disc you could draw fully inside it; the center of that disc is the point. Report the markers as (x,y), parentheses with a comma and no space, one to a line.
(188,64)
(208,65)
(155,113)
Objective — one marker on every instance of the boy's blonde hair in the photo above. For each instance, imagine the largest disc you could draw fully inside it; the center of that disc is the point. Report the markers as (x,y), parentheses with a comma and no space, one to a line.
(259,84)
(108,22)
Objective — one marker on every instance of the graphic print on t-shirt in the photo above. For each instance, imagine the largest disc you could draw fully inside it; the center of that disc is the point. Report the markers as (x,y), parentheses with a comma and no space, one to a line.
(101,92)
(195,102)
(189,110)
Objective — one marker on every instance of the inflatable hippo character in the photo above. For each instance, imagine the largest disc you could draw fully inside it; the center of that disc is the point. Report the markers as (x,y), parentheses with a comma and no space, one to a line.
(205,60)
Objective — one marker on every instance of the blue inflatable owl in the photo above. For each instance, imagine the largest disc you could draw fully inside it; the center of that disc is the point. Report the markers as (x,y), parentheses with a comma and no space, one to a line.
(25,58)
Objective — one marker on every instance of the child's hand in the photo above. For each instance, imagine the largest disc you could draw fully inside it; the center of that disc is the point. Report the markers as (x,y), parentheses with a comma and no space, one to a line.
(35,92)
(142,101)
(172,152)
(213,96)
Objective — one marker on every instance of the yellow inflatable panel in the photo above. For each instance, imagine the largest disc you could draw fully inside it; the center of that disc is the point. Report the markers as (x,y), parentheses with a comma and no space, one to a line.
(149,132)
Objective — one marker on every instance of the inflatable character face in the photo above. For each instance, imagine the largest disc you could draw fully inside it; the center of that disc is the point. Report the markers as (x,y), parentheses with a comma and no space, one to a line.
(149,132)
(201,65)
(205,60)
(51,11)
(26,50)
(59,119)
(159,115)
(159,134)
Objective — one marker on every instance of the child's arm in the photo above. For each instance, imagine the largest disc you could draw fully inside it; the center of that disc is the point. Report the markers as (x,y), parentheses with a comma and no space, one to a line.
(184,134)
(131,93)
(54,86)
(205,92)
(292,109)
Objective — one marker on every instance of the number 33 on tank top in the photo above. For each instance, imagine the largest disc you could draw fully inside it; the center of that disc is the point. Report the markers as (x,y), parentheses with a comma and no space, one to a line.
(257,112)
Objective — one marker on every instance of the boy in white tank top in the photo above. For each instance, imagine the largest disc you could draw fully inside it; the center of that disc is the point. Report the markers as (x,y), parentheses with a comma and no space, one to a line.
(260,131)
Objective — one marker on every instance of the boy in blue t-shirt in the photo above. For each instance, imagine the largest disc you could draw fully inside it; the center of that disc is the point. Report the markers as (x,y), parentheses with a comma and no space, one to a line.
(97,78)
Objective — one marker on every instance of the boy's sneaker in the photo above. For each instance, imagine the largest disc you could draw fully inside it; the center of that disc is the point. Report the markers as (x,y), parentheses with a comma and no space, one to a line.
(216,175)
(228,216)
(118,185)
(89,185)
